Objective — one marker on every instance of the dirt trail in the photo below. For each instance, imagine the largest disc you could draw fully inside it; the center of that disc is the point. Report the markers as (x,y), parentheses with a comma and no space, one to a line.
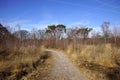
(63,69)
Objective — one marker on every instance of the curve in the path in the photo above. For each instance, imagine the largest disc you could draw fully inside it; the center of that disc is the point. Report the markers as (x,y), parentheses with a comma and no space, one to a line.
(63,69)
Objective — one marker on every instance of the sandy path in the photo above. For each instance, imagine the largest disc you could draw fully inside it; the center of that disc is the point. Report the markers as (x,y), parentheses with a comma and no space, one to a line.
(63,69)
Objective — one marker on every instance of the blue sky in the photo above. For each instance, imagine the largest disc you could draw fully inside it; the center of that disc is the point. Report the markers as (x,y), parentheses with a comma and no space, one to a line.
(40,13)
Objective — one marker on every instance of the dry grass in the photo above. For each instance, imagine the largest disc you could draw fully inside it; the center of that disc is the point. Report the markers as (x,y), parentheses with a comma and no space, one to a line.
(101,54)
(20,62)
(98,62)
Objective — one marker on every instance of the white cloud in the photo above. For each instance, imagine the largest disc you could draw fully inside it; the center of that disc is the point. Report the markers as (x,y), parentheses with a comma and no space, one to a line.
(111,4)
(28,25)
(13,23)
(108,3)
(97,29)
(78,23)
(66,2)
(46,19)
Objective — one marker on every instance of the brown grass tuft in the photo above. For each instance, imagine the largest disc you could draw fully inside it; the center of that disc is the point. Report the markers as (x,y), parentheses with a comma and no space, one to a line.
(20,62)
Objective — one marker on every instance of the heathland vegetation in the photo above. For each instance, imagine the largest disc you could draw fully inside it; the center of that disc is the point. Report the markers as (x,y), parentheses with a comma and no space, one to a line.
(97,55)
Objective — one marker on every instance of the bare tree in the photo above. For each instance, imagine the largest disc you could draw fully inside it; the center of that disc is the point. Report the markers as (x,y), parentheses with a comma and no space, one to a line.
(34,33)
(41,34)
(21,34)
(105,30)
(96,34)
(115,34)
(71,33)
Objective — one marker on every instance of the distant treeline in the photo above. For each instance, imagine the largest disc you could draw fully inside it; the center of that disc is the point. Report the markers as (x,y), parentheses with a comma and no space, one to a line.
(58,35)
